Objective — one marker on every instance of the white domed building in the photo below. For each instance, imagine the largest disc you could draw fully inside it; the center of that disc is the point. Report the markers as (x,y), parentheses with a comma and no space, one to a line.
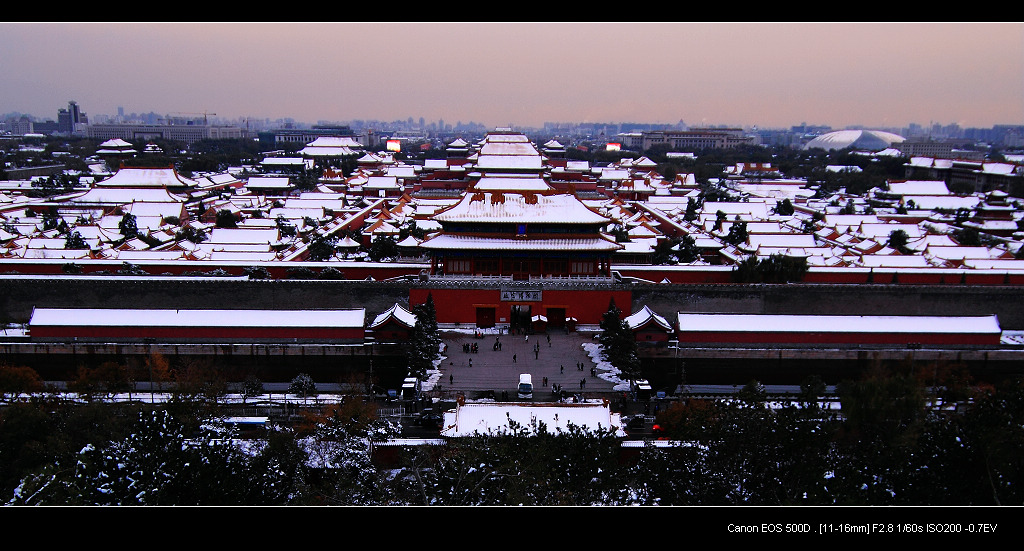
(866,140)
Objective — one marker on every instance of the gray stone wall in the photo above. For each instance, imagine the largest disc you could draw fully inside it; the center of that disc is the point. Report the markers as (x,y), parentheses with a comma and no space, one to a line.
(895,300)
(20,294)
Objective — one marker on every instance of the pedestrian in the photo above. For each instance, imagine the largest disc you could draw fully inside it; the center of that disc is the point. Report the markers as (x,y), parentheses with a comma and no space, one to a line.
(527,338)
(471,362)
(451,379)
(581,383)
(584,382)
(536,354)
(513,358)
(561,369)
(545,381)
(549,340)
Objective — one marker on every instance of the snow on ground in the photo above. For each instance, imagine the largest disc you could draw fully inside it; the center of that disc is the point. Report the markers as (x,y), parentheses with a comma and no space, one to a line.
(433,375)
(606,370)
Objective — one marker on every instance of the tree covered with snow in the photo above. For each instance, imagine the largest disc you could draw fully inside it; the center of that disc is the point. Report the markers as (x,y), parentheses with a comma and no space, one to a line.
(159,463)
(302,385)
(894,445)
(573,467)
(339,444)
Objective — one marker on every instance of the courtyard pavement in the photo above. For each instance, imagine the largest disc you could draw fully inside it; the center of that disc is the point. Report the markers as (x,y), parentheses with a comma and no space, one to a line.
(499,370)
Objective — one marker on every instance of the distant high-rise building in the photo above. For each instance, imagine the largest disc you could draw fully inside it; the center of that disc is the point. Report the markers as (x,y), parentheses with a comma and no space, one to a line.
(69,119)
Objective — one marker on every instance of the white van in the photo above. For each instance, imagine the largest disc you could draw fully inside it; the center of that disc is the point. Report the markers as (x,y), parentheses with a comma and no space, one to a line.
(410,388)
(525,386)
(641,389)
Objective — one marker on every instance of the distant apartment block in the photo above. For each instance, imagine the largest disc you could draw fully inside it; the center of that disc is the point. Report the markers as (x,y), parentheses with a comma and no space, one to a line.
(938,149)
(304,135)
(697,139)
(188,134)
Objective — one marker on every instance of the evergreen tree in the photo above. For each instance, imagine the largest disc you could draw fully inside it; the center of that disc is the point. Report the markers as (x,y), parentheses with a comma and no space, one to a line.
(737,233)
(898,240)
(225,219)
(618,342)
(128,226)
(691,210)
(322,248)
(74,240)
(424,344)
(785,208)
(302,385)
(382,248)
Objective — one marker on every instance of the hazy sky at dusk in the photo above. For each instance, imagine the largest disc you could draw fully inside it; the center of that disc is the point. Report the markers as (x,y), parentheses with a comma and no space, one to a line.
(770,75)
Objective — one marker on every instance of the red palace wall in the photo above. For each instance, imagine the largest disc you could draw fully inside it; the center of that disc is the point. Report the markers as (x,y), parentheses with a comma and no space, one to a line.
(460,305)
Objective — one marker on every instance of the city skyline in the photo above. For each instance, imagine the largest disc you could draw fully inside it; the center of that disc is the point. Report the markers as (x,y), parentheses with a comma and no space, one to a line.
(526,74)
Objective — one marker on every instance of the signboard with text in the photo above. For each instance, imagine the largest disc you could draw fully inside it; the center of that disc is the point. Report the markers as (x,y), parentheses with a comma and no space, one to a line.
(520,295)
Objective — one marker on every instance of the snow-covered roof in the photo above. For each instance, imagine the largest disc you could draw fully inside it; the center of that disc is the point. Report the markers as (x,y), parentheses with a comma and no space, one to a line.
(781,240)
(382,182)
(334,141)
(146,178)
(496,418)
(396,312)
(123,196)
(918,187)
(520,208)
(494,162)
(947,202)
(894,261)
(513,149)
(469,242)
(645,316)
(115,143)
(511,183)
(196,318)
(269,182)
(762,323)
(257,235)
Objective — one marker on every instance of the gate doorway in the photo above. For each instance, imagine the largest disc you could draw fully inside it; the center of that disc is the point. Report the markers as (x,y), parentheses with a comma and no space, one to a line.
(556,318)
(485,316)
(520,317)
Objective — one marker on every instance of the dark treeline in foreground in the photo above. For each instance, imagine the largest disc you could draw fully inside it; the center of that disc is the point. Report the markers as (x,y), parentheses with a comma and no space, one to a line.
(892,446)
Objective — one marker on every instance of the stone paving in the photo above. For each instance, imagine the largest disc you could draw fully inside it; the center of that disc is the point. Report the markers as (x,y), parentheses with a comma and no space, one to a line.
(499,370)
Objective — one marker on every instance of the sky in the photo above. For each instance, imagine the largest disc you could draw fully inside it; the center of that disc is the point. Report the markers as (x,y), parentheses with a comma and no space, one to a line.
(772,75)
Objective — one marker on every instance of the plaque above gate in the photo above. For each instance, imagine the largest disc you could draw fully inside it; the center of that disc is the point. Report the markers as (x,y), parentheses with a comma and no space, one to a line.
(521,295)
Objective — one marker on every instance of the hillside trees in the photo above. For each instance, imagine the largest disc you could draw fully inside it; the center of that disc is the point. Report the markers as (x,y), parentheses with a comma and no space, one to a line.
(158,462)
